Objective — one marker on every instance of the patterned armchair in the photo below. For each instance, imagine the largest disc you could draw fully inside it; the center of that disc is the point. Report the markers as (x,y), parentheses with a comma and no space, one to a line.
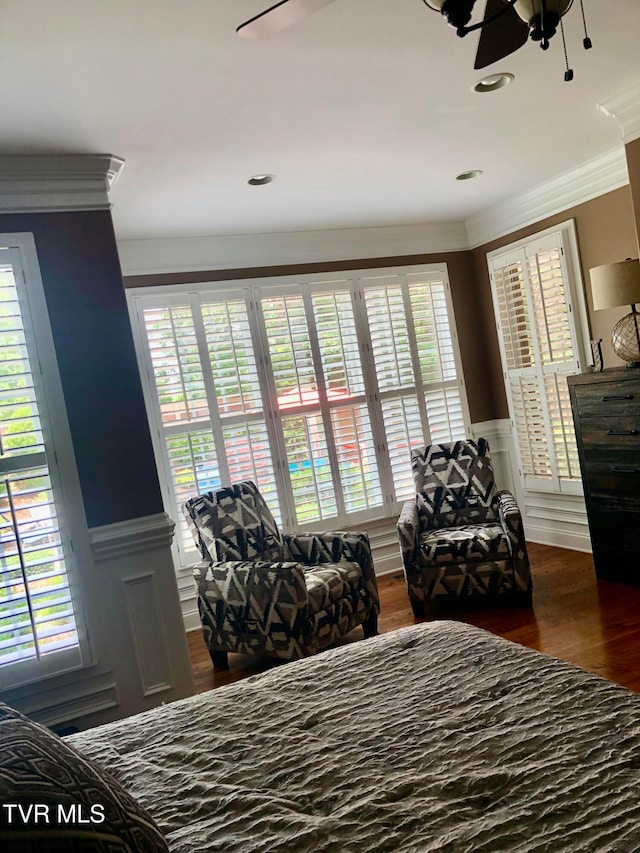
(261,592)
(458,536)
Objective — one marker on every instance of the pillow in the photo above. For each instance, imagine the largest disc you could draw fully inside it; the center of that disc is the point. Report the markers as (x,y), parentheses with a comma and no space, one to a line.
(54,799)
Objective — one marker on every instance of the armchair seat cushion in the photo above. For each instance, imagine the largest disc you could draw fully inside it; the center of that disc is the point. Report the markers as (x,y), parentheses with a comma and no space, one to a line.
(329,583)
(470,543)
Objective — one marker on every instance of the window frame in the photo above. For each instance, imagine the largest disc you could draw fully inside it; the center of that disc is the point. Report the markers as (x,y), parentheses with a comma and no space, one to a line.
(251,289)
(60,462)
(565,236)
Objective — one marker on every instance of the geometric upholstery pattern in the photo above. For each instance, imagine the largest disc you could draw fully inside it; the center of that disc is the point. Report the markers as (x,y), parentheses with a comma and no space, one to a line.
(455,483)
(466,544)
(262,592)
(82,808)
(234,523)
(459,537)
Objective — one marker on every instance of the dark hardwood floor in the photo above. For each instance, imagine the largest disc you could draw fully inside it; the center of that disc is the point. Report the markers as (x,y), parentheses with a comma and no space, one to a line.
(594,624)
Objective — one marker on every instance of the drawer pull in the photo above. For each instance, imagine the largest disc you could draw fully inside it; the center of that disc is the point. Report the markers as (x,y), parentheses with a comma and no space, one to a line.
(617,397)
(623,432)
(616,470)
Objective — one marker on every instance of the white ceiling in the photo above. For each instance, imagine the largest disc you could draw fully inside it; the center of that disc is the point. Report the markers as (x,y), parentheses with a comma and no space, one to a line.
(364,111)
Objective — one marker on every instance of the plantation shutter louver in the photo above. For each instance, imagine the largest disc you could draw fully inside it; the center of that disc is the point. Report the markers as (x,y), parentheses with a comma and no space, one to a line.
(38,624)
(538,342)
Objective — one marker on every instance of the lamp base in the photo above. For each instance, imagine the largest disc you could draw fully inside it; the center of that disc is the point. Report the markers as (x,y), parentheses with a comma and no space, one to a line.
(625,339)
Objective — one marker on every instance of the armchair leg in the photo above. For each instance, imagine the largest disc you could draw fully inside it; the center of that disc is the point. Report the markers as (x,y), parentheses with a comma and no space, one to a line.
(418,608)
(370,626)
(219,659)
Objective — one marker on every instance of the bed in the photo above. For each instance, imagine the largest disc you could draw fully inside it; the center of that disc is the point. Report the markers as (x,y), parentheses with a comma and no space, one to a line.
(437,737)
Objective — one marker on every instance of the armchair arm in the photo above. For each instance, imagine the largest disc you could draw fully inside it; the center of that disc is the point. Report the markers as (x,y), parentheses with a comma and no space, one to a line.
(511,520)
(408,527)
(313,549)
(253,607)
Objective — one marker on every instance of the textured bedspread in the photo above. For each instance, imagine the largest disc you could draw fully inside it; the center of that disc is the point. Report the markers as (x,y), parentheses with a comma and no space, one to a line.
(438,737)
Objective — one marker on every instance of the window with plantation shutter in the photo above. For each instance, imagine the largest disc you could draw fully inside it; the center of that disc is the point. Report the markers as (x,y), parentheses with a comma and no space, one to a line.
(319,395)
(40,617)
(540,344)
(416,374)
(316,389)
(207,401)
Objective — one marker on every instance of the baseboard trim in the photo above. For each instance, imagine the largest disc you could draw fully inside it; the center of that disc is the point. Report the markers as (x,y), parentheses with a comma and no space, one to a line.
(559,539)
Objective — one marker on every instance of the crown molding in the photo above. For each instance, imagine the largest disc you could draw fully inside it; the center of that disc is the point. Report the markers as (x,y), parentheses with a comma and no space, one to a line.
(625,109)
(246,251)
(589,180)
(56,182)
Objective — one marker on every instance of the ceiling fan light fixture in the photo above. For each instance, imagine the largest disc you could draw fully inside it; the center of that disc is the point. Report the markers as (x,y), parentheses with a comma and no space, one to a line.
(468,176)
(260,180)
(457,12)
(542,18)
(493,82)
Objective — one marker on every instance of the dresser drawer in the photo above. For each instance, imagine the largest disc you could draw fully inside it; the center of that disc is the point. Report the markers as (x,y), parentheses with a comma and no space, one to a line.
(620,432)
(613,474)
(618,399)
(616,533)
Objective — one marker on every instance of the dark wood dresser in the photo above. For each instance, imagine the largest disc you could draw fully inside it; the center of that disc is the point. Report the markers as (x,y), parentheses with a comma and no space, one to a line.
(606,413)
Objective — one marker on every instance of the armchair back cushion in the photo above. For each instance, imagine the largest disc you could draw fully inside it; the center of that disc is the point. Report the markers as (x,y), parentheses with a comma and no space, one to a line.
(455,484)
(234,523)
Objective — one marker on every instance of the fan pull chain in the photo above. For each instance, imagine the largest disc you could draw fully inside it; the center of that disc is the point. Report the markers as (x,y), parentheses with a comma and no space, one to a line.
(586,41)
(568,74)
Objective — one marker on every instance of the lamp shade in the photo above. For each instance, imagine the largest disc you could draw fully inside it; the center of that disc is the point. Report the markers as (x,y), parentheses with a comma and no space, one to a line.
(615,284)
(529,9)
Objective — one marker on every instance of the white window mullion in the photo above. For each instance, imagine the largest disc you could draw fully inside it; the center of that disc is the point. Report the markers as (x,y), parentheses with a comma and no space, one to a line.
(374,397)
(415,358)
(274,421)
(210,387)
(322,400)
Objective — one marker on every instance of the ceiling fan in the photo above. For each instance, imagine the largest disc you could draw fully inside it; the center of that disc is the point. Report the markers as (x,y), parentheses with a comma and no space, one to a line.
(505,27)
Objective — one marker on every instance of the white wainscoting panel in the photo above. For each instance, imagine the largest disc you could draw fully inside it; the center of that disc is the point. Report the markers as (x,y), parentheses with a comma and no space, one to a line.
(147,630)
(147,651)
(559,520)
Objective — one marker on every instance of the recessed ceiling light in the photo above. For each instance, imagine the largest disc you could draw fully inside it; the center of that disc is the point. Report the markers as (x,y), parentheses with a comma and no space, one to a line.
(466,176)
(260,180)
(493,82)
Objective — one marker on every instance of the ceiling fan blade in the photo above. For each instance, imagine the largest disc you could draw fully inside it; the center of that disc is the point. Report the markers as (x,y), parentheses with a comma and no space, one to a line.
(501,37)
(276,18)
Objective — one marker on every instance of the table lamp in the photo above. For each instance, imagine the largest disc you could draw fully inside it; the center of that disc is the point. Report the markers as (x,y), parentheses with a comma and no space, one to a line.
(619,284)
